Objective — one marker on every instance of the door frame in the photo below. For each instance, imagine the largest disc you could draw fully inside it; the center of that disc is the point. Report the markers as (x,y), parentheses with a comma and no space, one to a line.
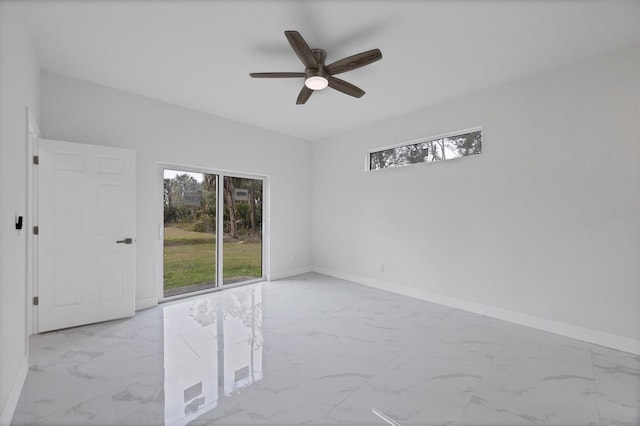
(31,218)
(219,227)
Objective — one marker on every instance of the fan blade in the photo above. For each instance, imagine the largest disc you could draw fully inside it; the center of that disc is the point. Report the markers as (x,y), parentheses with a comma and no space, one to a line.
(302,49)
(354,61)
(344,87)
(304,95)
(276,74)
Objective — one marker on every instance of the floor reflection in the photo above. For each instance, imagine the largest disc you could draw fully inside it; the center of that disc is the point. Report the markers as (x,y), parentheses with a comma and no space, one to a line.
(212,347)
(337,353)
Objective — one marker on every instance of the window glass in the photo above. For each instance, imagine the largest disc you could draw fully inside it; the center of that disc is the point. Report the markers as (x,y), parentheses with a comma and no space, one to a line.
(445,148)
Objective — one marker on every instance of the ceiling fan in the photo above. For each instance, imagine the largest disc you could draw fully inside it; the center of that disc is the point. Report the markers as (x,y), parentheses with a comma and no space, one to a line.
(317,75)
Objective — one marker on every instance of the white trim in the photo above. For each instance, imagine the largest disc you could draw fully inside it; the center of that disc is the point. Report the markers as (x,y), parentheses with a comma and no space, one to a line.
(208,290)
(34,245)
(220,203)
(290,273)
(266,235)
(146,302)
(208,170)
(428,139)
(638,254)
(31,217)
(33,124)
(14,395)
(601,338)
(159,278)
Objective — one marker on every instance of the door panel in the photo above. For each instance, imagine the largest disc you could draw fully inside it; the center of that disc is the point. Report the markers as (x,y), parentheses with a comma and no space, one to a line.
(190,232)
(69,294)
(109,211)
(242,246)
(109,276)
(86,204)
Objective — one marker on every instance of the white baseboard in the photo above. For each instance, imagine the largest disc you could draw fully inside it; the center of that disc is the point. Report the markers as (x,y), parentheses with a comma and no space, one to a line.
(147,302)
(601,338)
(14,395)
(288,273)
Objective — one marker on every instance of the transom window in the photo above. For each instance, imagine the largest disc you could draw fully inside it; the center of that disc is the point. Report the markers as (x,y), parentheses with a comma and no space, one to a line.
(447,147)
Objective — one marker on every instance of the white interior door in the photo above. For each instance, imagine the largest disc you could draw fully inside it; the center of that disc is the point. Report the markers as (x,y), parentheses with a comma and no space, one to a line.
(86,255)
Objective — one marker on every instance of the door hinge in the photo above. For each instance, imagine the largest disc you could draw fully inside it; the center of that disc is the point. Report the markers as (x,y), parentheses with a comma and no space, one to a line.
(36,159)
(36,301)
(36,230)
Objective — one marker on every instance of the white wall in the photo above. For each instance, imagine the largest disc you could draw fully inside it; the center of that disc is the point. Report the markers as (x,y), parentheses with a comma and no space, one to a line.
(18,90)
(78,111)
(525,226)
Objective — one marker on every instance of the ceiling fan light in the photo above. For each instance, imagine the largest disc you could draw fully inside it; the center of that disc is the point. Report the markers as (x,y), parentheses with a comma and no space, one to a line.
(316,82)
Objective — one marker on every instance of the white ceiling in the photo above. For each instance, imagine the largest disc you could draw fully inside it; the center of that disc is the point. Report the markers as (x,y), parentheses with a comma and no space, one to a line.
(198,54)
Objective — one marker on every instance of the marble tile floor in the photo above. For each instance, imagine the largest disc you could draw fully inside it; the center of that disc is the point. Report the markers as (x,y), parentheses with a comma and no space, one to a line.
(318,350)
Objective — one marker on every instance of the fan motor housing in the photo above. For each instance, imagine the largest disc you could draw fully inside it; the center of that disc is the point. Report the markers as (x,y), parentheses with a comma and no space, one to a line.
(320,72)
(320,55)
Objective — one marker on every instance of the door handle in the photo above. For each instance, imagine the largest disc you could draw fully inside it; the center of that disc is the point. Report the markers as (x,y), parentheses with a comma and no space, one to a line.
(125,241)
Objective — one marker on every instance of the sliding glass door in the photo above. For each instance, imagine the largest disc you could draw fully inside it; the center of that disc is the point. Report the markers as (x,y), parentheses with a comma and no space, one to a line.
(242,248)
(189,256)
(212,223)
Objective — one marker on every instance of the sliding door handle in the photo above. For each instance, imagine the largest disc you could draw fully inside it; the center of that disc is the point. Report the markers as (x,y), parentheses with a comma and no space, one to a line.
(125,241)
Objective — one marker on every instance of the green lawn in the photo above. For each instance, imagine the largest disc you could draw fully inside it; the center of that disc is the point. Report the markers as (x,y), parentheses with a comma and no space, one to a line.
(189,258)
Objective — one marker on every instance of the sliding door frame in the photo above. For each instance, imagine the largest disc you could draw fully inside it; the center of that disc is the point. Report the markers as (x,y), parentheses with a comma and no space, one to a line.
(219,278)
